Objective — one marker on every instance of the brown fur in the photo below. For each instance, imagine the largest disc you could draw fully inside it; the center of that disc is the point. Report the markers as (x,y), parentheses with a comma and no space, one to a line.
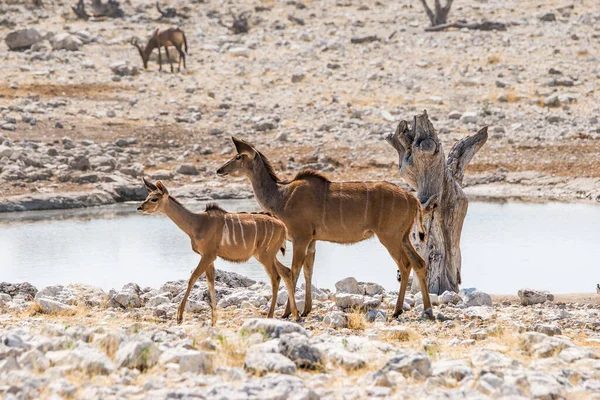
(314,208)
(169,37)
(234,237)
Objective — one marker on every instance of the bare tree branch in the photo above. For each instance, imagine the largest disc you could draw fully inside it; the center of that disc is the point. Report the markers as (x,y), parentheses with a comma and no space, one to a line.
(483,26)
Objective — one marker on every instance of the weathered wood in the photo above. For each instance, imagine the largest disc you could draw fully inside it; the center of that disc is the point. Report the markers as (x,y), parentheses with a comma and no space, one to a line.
(483,26)
(170,12)
(110,9)
(239,24)
(437,182)
(79,10)
(440,14)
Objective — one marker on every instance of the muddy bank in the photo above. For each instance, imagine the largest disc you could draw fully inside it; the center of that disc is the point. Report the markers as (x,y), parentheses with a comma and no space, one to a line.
(80,342)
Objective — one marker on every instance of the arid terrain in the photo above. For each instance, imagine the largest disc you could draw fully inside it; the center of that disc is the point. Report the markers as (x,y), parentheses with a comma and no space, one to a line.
(78,341)
(312,84)
(298,88)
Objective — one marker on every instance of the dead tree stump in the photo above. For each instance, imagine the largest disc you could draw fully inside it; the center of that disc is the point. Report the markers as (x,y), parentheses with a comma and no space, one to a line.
(439,15)
(79,10)
(239,24)
(437,181)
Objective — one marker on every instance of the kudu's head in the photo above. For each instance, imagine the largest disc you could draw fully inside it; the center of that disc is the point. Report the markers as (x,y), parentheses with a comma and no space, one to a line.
(242,164)
(145,58)
(156,199)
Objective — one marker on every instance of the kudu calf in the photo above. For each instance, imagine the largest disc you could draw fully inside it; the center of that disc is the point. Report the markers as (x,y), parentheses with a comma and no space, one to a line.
(164,38)
(314,208)
(233,237)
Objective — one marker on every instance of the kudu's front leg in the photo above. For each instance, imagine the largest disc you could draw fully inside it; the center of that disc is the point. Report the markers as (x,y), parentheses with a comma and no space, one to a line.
(309,263)
(210,280)
(205,262)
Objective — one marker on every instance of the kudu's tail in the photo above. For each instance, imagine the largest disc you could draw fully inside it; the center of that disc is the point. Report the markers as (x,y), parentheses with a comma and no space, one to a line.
(419,221)
(184,42)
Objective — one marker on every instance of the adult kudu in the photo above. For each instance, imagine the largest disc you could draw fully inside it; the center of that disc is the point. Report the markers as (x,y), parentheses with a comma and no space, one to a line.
(314,208)
(174,37)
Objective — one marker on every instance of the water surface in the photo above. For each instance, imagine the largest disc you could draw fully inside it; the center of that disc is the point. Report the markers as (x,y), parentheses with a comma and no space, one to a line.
(505,247)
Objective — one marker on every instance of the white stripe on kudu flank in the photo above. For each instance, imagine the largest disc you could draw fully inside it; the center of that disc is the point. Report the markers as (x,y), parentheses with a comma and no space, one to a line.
(225,234)
(272,226)
(233,231)
(242,230)
(255,232)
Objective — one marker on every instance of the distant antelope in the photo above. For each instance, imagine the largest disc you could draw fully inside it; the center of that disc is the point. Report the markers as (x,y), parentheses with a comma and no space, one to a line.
(314,208)
(598,288)
(233,237)
(164,38)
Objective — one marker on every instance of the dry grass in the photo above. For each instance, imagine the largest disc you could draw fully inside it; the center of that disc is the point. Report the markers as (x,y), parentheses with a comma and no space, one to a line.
(512,96)
(494,59)
(232,350)
(399,335)
(357,320)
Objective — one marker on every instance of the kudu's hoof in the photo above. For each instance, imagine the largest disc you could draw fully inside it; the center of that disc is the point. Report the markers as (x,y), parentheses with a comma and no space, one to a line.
(428,314)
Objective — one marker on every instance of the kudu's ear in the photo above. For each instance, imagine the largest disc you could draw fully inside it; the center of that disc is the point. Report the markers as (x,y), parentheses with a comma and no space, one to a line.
(244,147)
(149,185)
(162,188)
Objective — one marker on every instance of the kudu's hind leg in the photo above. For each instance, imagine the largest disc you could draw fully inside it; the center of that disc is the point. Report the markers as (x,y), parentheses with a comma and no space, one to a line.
(205,262)
(396,250)
(297,262)
(286,274)
(210,280)
(420,268)
(267,261)
(309,263)
(181,57)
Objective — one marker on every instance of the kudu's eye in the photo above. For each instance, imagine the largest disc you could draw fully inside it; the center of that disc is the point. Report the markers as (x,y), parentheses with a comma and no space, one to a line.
(238,157)
(154,200)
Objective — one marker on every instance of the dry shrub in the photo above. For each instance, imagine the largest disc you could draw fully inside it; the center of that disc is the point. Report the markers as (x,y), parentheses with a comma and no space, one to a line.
(494,59)
(357,320)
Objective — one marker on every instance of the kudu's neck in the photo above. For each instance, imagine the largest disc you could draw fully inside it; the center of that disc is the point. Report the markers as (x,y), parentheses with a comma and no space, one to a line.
(268,192)
(148,49)
(186,220)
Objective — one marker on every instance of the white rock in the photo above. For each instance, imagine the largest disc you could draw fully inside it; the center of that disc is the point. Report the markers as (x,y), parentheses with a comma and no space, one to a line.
(141,354)
(66,41)
(34,360)
(271,328)
(22,38)
(348,285)
(455,369)
(335,319)
(532,296)
(261,364)
(469,117)
(188,360)
(356,301)
(449,297)
(410,364)
(473,297)
(49,306)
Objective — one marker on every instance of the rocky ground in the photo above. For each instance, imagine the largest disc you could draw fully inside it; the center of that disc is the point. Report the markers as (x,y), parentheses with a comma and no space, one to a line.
(77,341)
(81,120)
